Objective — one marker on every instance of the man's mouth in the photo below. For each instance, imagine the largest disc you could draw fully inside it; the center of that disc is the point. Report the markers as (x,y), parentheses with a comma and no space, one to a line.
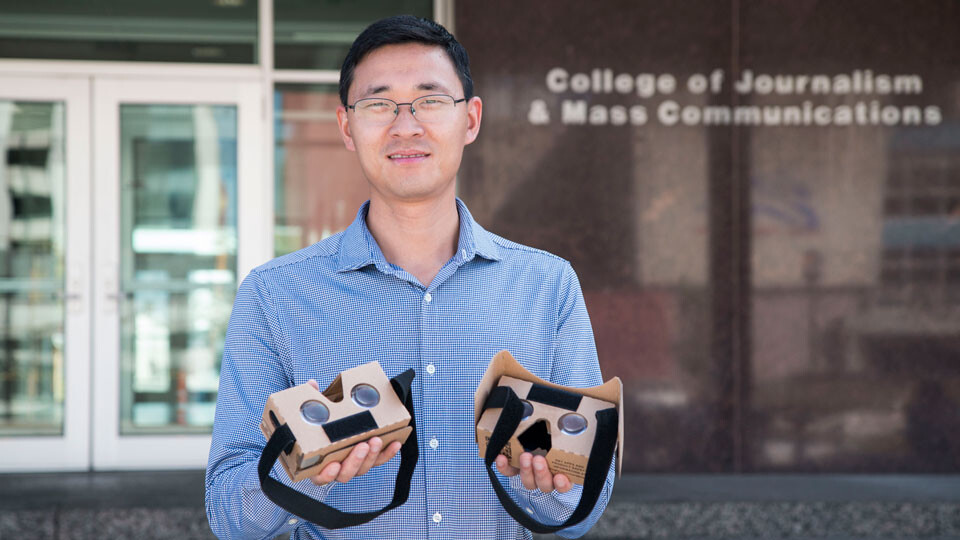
(407,155)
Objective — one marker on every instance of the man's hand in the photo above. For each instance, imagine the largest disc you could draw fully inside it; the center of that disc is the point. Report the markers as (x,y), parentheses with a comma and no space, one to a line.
(534,473)
(362,458)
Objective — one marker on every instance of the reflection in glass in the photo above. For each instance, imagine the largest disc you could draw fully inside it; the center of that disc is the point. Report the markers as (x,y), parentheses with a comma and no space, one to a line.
(179,244)
(629,206)
(208,32)
(31,268)
(318,182)
(856,347)
(316,34)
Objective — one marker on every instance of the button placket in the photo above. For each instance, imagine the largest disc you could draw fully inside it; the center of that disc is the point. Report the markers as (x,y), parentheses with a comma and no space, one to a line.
(428,353)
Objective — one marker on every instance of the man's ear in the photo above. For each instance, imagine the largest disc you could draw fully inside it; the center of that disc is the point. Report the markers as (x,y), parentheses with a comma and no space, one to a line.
(474,114)
(344,124)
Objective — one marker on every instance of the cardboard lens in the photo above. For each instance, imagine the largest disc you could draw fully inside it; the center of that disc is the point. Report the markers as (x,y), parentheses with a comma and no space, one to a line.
(314,412)
(572,423)
(365,395)
(527,409)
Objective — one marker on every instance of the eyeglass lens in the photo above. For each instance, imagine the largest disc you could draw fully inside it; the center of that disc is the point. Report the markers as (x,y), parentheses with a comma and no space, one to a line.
(433,108)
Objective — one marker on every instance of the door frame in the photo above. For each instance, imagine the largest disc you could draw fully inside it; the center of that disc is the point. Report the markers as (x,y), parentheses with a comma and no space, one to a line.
(71,449)
(110,449)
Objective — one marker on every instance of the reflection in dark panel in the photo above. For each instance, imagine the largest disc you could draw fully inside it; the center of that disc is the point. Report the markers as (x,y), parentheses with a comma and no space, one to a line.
(119,30)
(855,238)
(568,163)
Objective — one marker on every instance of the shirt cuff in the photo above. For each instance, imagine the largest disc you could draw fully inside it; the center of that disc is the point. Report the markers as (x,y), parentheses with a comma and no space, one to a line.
(255,500)
(548,508)
(523,495)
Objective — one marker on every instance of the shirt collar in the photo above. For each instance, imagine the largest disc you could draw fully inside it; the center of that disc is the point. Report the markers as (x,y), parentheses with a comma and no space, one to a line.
(358,248)
(474,239)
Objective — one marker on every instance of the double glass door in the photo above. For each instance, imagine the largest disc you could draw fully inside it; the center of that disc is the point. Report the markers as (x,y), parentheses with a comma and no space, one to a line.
(122,206)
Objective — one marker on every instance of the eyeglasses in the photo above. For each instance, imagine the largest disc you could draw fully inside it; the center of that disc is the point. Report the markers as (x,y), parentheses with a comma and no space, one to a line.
(435,108)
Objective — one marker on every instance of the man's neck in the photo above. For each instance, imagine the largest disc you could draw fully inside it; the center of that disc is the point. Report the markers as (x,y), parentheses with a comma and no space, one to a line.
(419,237)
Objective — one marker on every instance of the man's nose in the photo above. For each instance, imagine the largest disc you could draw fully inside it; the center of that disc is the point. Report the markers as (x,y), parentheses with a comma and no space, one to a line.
(405,124)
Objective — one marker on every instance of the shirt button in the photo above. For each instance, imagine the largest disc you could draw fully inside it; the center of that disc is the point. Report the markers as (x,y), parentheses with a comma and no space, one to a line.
(437,517)
(464,253)
(431,368)
(434,443)
(529,510)
(427,298)
(292,522)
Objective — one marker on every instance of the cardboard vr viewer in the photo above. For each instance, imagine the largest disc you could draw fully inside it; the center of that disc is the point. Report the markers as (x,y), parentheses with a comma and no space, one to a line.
(562,434)
(359,404)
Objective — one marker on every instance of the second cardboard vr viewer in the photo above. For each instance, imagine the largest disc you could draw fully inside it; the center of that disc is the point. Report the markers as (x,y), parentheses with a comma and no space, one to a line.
(577,430)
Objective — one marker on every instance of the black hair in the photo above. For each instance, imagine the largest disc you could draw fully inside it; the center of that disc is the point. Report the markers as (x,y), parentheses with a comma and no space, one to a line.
(405,29)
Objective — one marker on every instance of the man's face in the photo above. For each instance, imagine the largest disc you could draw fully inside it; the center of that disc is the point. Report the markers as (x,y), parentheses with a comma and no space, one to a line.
(408,160)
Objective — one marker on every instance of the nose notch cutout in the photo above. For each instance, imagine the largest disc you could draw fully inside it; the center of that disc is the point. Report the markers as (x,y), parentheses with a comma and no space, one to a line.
(335,391)
(536,438)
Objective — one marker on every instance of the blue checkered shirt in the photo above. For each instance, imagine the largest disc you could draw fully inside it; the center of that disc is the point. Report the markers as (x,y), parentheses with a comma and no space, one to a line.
(337,304)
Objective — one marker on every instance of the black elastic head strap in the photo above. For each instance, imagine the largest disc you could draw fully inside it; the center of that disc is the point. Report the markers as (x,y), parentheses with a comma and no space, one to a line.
(601,456)
(323,514)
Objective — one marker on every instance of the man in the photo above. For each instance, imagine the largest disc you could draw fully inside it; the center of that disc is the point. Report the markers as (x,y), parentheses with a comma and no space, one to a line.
(413,282)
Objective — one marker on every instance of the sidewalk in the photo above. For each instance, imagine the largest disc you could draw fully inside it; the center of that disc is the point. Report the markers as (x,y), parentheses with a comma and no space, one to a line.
(169,505)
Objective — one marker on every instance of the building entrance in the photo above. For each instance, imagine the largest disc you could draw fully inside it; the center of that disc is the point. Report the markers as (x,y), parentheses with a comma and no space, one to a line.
(122,206)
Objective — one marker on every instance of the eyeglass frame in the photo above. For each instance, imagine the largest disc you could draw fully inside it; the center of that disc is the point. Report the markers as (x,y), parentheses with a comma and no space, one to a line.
(396,109)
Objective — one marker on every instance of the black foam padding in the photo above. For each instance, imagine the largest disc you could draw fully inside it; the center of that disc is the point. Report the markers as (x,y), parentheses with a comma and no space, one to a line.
(554,397)
(354,424)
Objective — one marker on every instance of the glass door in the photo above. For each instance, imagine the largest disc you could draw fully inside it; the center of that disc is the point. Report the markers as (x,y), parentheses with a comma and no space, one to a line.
(176,163)
(45,201)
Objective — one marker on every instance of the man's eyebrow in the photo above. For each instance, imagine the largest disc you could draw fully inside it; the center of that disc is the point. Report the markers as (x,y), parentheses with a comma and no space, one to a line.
(376,89)
(432,86)
(427,86)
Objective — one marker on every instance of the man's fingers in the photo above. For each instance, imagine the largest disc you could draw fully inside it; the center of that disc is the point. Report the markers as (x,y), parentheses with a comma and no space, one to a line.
(503,465)
(561,483)
(327,475)
(526,471)
(541,474)
(350,466)
(314,384)
(361,459)
(376,444)
(388,453)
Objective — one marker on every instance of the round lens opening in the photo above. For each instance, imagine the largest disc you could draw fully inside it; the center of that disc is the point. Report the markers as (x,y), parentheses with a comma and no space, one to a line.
(365,395)
(572,423)
(314,412)
(527,409)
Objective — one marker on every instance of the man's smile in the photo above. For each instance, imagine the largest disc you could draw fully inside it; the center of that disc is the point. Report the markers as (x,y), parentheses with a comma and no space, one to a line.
(407,156)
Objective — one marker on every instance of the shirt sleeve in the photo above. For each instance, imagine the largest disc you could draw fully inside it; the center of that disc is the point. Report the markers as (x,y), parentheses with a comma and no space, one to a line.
(574,364)
(255,365)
